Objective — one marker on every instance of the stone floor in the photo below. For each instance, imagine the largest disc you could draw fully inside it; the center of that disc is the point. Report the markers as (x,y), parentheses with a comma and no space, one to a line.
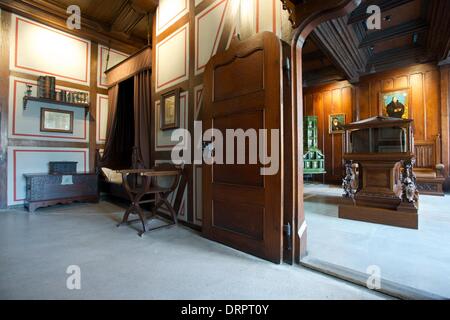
(174,263)
(416,258)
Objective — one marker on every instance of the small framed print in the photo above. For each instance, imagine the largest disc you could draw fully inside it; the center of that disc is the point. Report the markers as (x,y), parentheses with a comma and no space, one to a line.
(337,123)
(55,120)
(170,110)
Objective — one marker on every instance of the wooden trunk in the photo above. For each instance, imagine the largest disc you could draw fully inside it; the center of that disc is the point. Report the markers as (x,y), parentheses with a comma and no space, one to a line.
(43,190)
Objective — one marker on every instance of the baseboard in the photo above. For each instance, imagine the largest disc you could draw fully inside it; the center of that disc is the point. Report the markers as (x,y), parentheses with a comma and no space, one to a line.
(387,287)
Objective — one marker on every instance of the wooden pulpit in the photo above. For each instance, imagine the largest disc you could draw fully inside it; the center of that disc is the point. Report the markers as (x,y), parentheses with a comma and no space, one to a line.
(382,188)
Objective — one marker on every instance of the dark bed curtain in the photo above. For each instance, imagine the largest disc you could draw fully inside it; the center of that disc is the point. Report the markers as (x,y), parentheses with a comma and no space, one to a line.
(129,123)
(142,101)
(120,132)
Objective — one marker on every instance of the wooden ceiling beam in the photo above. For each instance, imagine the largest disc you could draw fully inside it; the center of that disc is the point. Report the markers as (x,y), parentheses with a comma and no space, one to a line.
(315,55)
(339,42)
(360,13)
(396,58)
(400,30)
(438,41)
(321,76)
(127,19)
(55,16)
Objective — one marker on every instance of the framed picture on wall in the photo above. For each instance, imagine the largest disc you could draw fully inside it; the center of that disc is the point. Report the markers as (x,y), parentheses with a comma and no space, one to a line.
(55,120)
(170,110)
(336,123)
(395,103)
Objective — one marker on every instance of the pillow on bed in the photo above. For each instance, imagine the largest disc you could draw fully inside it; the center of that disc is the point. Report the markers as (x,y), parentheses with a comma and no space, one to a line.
(112,176)
(115,177)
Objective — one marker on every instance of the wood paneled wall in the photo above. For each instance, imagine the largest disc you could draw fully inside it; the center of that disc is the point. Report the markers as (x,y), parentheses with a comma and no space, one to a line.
(424,82)
(323,101)
(428,107)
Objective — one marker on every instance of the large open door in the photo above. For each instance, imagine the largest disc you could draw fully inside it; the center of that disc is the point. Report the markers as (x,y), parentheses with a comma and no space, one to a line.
(242,90)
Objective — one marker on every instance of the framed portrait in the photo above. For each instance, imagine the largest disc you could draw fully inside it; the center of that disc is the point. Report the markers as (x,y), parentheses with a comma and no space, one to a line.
(55,120)
(395,104)
(336,123)
(170,110)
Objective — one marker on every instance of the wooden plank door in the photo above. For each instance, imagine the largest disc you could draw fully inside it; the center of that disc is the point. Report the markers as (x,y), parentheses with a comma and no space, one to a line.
(242,90)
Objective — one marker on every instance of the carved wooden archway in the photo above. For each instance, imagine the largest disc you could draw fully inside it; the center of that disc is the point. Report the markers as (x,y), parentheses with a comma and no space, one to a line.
(305,15)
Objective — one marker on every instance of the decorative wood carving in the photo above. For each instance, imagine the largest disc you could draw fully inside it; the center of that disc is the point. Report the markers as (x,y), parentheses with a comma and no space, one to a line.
(349,180)
(409,182)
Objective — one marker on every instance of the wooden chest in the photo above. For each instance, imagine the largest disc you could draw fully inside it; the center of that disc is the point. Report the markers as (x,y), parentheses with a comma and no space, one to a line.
(43,190)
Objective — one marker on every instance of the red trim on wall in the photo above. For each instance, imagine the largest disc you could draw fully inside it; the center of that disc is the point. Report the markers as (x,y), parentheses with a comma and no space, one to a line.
(101,64)
(168,22)
(37,135)
(185,56)
(52,151)
(257,16)
(217,34)
(274,17)
(16,49)
(99,125)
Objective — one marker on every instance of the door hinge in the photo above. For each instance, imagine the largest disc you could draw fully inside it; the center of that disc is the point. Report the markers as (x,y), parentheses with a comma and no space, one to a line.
(288,233)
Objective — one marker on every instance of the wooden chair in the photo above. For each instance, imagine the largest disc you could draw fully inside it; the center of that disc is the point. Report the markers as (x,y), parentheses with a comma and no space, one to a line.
(148,186)
(428,169)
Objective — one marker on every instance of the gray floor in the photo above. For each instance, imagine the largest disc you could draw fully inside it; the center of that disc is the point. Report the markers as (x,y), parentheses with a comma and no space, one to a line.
(417,258)
(115,263)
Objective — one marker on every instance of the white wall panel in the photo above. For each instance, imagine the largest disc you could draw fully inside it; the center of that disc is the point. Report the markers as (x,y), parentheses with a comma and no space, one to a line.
(163,140)
(102,118)
(25,124)
(23,160)
(168,12)
(115,57)
(41,50)
(268,16)
(208,29)
(172,59)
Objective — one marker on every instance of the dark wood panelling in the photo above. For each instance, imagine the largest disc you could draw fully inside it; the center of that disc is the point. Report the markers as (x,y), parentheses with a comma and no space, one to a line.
(445,115)
(322,102)
(425,90)
(429,107)
(93,107)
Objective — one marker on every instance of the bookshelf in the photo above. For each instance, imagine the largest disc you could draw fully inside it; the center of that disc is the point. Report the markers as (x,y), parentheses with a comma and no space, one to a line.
(28,99)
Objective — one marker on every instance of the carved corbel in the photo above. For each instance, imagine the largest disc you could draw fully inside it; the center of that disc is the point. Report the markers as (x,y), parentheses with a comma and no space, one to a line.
(348,181)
